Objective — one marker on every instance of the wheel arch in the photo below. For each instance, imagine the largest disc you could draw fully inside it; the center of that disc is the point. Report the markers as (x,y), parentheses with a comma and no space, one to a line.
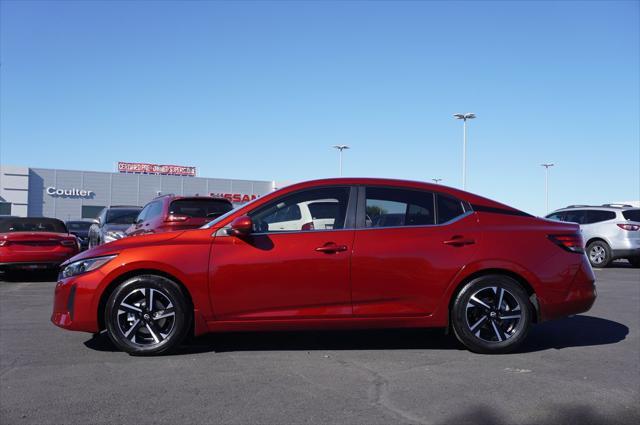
(526,285)
(111,286)
(597,239)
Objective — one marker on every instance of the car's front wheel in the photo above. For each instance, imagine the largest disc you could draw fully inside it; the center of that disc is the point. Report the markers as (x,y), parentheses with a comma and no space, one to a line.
(491,314)
(599,254)
(147,315)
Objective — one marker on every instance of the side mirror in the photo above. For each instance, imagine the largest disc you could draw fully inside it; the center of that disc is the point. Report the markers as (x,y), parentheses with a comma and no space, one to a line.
(241,226)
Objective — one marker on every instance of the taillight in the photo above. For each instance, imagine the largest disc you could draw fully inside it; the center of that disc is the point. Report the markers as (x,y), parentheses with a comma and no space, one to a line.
(308,226)
(630,227)
(570,242)
(177,218)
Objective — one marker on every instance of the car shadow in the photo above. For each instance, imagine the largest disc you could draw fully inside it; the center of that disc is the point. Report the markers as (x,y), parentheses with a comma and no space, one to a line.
(577,331)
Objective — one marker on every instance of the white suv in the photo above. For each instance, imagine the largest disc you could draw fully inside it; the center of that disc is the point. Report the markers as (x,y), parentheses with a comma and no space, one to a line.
(610,231)
(318,214)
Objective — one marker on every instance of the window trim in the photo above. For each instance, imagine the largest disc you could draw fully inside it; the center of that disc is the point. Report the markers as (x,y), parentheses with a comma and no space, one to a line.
(362,204)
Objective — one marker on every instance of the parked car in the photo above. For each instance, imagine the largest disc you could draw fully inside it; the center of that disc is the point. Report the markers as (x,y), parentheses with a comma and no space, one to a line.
(168,213)
(447,259)
(80,228)
(111,224)
(34,243)
(610,231)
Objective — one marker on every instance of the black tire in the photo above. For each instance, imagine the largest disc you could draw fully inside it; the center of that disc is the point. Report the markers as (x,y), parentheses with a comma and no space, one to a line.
(141,331)
(492,330)
(599,254)
(635,261)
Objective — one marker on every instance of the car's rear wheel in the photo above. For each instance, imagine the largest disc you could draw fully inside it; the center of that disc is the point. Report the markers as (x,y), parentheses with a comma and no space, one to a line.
(491,314)
(599,254)
(147,315)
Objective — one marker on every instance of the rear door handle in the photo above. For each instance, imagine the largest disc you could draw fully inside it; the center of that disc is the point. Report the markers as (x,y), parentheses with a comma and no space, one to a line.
(331,247)
(459,241)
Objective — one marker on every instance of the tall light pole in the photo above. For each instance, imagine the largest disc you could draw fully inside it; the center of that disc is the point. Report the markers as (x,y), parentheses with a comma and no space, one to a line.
(464,118)
(437,180)
(341,148)
(546,183)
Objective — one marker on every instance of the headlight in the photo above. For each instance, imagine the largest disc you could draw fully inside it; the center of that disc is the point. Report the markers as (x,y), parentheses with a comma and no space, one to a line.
(113,235)
(83,266)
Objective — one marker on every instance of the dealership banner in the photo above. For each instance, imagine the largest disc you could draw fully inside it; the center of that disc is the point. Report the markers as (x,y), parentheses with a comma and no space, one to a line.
(170,170)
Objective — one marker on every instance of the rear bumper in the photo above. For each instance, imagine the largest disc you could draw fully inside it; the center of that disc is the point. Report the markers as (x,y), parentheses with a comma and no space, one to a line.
(625,247)
(625,253)
(580,296)
(30,265)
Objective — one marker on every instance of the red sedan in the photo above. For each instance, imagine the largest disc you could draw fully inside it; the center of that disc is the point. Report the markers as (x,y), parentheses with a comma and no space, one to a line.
(35,243)
(335,254)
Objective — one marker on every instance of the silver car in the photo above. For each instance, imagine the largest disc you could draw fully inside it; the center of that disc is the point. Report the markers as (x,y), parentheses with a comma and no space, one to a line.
(610,231)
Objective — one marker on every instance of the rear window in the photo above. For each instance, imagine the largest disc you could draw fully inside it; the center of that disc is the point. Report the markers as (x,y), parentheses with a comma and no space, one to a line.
(78,225)
(631,215)
(122,216)
(201,208)
(30,224)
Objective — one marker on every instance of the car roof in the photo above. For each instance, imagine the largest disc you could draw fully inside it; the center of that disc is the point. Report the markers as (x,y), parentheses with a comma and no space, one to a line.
(407,184)
(124,207)
(595,207)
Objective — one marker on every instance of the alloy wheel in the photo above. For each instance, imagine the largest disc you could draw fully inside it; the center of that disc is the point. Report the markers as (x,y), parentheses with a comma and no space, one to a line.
(493,314)
(146,316)
(597,254)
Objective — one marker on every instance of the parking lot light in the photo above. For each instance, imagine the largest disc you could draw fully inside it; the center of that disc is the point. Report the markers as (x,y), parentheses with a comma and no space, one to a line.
(464,118)
(341,148)
(546,183)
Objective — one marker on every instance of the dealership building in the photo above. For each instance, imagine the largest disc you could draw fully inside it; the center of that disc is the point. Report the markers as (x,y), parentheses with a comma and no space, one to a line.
(71,195)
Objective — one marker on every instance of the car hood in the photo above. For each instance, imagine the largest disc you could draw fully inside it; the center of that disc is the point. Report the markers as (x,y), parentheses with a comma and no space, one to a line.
(115,227)
(119,245)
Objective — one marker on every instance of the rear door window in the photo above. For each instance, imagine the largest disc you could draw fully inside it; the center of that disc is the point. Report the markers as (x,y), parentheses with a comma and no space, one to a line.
(390,207)
(596,216)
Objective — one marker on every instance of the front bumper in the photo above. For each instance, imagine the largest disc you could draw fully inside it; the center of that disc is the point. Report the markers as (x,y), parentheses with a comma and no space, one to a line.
(74,303)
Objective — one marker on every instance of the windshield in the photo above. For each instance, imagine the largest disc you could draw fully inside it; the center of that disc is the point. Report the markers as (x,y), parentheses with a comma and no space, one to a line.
(78,225)
(37,224)
(122,216)
(632,215)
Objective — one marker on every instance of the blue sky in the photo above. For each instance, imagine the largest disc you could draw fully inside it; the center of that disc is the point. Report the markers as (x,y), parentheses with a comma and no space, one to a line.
(261,90)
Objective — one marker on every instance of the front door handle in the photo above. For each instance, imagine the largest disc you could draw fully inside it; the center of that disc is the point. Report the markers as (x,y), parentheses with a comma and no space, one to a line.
(331,247)
(459,241)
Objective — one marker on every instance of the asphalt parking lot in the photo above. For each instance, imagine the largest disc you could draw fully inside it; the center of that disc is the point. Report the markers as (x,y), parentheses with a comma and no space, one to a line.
(582,370)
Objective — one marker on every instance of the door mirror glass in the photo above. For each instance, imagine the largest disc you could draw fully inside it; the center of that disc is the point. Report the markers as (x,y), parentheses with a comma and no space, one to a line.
(241,226)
